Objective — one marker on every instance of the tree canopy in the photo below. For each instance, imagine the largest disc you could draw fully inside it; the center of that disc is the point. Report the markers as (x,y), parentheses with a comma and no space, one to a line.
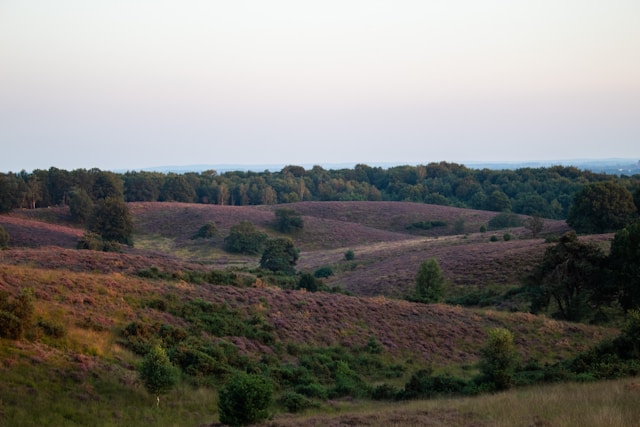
(601,207)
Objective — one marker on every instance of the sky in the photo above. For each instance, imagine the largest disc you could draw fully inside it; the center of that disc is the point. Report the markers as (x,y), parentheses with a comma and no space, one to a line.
(124,84)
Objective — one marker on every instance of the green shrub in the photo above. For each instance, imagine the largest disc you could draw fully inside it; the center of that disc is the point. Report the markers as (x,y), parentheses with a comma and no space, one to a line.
(385,392)
(288,220)
(504,220)
(323,272)
(157,373)
(506,237)
(493,238)
(423,384)
(349,255)
(245,399)
(207,231)
(308,282)
(499,359)
(4,238)
(295,402)
(348,382)
(51,328)
(244,237)
(16,314)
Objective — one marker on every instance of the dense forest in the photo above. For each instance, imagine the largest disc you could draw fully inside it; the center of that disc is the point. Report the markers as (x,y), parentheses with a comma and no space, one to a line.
(546,192)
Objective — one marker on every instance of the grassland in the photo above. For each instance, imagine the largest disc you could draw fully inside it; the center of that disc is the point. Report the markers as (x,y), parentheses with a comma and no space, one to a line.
(86,375)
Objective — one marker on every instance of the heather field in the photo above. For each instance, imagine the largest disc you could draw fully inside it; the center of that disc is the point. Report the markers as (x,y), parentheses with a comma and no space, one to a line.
(94,311)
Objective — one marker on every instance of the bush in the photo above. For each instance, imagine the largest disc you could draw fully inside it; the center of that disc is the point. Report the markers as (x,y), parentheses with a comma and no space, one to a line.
(498,359)
(4,238)
(244,237)
(245,399)
(295,402)
(308,282)
(423,384)
(207,231)
(288,220)
(506,237)
(94,242)
(430,282)
(15,314)
(493,239)
(157,372)
(324,271)
(504,220)
(349,255)
(280,255)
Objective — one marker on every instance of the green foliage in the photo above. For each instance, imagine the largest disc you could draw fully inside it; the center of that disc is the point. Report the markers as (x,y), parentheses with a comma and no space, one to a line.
(349,255)
(430,282)
(245,399)
(4,238)
(308,282)
(295,402)
(207,231)
(323,272)
(288,220)
(80,205)
(280,255)
(244,237)
(601,207)
(112,221)
(506,237)
(483,228)
(504,220)
(95,242)
(157,373)
(16,314)
(348,382)
(426,225)
(494,238)
(499,359)
(573,277)
(624,260)
(424,385)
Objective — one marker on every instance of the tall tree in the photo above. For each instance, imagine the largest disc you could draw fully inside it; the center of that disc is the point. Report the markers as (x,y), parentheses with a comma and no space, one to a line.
(601,207)
(157,372)
(244,237)
(280,255)
(111,220)
(430,282)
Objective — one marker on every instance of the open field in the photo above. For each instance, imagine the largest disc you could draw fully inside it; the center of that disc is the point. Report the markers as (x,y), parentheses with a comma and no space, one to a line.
(92,296)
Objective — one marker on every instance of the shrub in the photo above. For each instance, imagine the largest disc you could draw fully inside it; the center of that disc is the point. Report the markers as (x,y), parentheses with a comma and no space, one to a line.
(4,238)
(349,255)
(493,238)
(504,220)
(324,271)
(506,237)
(498,359)
(280,255)
(295,402)
(112,220)
(423,384)
(244,237)
(207,231)
(94,242)
(308,282)
(245,399)
(15,314)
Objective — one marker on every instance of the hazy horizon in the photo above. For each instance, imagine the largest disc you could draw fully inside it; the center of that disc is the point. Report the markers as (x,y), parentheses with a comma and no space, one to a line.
(133,85)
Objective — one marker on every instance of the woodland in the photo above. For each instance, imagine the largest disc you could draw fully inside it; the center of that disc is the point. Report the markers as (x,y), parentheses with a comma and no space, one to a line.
(362,296)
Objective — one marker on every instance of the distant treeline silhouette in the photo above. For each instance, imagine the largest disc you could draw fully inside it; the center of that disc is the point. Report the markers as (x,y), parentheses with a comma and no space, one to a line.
(546,191)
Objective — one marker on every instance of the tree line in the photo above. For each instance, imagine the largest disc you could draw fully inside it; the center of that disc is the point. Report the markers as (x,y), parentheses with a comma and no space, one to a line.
(545,192)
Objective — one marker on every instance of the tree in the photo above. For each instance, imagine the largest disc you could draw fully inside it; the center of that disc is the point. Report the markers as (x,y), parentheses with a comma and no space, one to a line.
(207,231)
(111,220)
(624,261)
(157,372)
(309,282)
(4,238)
(80,205)
(534,224)
(499,359)
(288,220)
(601,207)
(245,399)
(280,255)
(430,282)
(244,237)
(573,276)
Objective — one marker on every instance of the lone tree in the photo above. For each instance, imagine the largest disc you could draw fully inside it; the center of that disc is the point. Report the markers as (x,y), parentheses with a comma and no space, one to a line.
(80,205)
(288,220)
(534,224)
(245,399)
(207,231)
(280,255)
(430,282)
(601,207)
(112,220)
(157,372)
(244,237)
(499,359)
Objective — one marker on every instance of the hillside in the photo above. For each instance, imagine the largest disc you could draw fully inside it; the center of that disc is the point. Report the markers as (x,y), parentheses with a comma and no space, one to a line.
(85,301)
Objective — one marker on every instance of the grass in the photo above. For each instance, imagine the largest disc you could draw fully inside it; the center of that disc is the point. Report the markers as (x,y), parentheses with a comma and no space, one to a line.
(602,404)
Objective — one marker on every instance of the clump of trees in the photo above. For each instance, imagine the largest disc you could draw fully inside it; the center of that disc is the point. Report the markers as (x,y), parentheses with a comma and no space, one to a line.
(244,237)
(602,207)
(112,221)
(280,255)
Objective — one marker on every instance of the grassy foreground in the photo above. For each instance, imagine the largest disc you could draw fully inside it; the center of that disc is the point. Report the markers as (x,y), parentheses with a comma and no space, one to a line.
(601,404)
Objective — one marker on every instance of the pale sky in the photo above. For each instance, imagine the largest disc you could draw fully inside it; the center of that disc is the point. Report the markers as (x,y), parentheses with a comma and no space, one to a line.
(129,84)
